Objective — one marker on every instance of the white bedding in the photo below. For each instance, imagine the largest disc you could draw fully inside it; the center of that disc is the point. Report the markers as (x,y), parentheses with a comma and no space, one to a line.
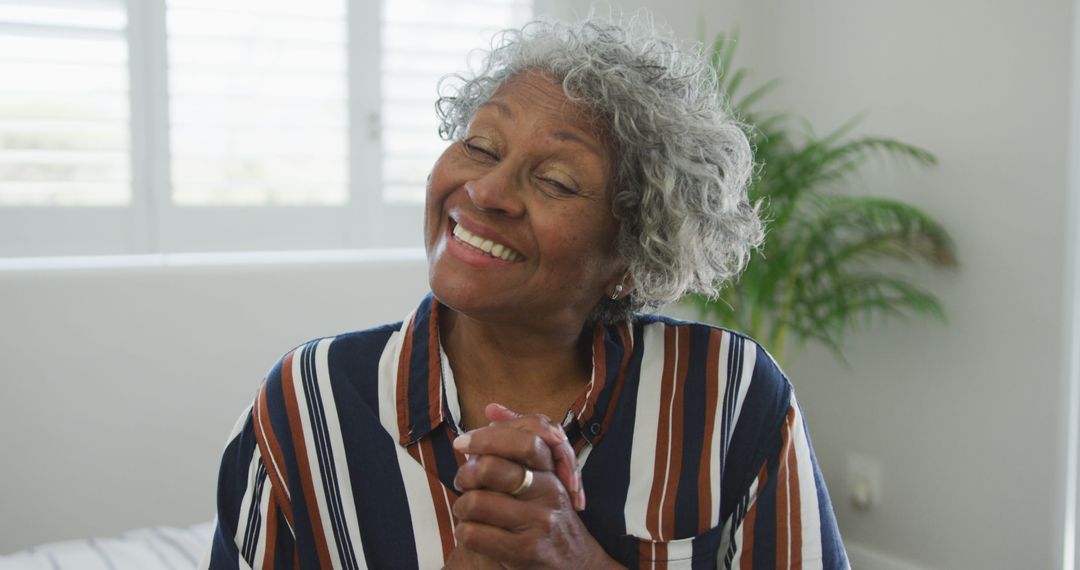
(164,548)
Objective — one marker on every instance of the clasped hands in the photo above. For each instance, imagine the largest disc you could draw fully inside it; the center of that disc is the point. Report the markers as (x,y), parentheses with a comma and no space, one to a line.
(538,527)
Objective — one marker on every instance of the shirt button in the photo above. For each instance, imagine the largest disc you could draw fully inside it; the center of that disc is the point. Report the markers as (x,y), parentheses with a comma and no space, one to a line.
(594,428)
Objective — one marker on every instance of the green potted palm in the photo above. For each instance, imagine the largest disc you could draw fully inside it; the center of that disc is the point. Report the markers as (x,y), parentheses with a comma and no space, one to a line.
(829,259)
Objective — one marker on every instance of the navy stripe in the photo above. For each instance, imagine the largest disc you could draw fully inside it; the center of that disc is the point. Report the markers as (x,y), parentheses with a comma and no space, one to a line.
(733,531)
(386,532)
(687,500)
(705,549)
(251,533)
(606,476)
(729,494)
(232,485)
(325,455)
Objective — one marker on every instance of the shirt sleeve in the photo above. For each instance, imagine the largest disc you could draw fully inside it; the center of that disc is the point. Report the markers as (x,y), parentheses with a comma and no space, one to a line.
(786,519)
(252,530)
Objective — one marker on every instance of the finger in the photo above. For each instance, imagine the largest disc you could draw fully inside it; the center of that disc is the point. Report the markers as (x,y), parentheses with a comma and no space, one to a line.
(498,543)
(555,437)
(490,472)
(508,442)
(503,511)
(496,412)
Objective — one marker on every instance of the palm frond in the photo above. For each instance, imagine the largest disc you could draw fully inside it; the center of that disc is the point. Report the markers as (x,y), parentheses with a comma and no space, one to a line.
(817,274)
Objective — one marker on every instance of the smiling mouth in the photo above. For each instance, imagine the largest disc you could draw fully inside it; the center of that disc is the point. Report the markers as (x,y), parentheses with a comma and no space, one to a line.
(493,249)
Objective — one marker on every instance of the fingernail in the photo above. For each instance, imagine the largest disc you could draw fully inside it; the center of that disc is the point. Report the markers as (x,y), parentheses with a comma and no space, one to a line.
(558,432)
(581,500)
(462,441)
(500,406)
(456,486)
(578,482)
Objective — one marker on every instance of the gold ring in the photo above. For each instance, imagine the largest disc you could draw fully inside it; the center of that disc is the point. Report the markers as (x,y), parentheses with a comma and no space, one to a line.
(526,482)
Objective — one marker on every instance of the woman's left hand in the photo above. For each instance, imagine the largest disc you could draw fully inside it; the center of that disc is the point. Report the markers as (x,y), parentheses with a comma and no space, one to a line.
(538,528)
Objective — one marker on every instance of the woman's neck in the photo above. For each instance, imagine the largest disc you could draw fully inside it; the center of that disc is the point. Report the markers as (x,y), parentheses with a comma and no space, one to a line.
(526,369)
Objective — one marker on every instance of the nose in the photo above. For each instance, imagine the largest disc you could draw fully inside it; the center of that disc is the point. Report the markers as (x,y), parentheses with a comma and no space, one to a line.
(497,191)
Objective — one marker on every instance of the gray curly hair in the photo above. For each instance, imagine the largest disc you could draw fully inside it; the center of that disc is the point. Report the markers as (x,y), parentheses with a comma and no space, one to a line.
(682,161)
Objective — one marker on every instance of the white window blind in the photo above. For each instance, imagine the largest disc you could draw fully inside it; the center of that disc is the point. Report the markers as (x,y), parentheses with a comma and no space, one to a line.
(140,126)
(423,40)
(258,108)
(64,111)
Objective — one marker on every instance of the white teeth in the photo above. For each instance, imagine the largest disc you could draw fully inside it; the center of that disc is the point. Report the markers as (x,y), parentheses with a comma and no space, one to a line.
(487,246)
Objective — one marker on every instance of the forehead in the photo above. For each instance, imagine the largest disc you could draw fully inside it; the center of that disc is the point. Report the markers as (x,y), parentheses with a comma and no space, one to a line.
(541,96)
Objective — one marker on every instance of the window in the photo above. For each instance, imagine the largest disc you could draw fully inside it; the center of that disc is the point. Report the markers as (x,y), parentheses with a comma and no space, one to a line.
(132,126)
(64,123)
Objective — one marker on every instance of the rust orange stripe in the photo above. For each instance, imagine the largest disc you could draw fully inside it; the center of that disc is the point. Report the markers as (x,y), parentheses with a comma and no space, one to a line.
(270,449)
(423,452)
(793,494)
(435,408)
(712,390)
(271,535)
(292,409)
(783,487)
(675,467)
(663,428)
(746,559)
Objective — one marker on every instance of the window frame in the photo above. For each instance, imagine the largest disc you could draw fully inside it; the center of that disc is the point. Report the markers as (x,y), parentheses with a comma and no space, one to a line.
(152,223)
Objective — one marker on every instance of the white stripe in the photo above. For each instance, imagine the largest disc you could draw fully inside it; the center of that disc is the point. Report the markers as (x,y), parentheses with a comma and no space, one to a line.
(742,530)
(680,553)
(810,516)
(647,418)
(717,426)
(337,446)
(450,386)
(264,511)
(313,456)
(245,503)
(748,362)
(670,423)
(421,507)
(239,425)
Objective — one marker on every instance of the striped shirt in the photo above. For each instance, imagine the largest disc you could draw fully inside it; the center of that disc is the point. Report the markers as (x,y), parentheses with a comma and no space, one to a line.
(693,449)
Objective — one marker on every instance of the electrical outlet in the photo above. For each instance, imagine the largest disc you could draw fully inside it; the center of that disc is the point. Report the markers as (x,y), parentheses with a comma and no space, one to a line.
(863,483)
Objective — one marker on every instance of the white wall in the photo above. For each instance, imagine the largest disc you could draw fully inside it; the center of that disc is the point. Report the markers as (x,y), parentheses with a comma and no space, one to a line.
(121,384)
(965,419)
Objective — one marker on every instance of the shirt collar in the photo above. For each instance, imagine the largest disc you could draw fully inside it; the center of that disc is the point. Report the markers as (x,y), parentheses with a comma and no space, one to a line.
(422,391)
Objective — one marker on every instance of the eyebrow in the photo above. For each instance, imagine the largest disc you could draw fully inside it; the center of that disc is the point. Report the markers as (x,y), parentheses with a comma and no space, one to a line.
(571,137)
(503,109)
(562,136)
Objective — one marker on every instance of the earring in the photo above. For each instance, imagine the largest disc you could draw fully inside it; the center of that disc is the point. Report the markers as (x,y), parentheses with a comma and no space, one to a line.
(617,292)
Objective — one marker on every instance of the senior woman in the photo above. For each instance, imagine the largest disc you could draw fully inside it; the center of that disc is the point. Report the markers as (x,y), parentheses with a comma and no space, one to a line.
(592,171)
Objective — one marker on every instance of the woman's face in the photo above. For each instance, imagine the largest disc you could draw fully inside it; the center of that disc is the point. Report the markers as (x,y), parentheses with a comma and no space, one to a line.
(530,184)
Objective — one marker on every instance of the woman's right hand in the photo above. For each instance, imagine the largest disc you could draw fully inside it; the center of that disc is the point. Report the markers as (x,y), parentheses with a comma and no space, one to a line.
(566,468)
(513,508)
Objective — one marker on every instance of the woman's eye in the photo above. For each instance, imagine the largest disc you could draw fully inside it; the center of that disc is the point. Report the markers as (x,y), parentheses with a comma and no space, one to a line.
(559,186)
(476,149)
